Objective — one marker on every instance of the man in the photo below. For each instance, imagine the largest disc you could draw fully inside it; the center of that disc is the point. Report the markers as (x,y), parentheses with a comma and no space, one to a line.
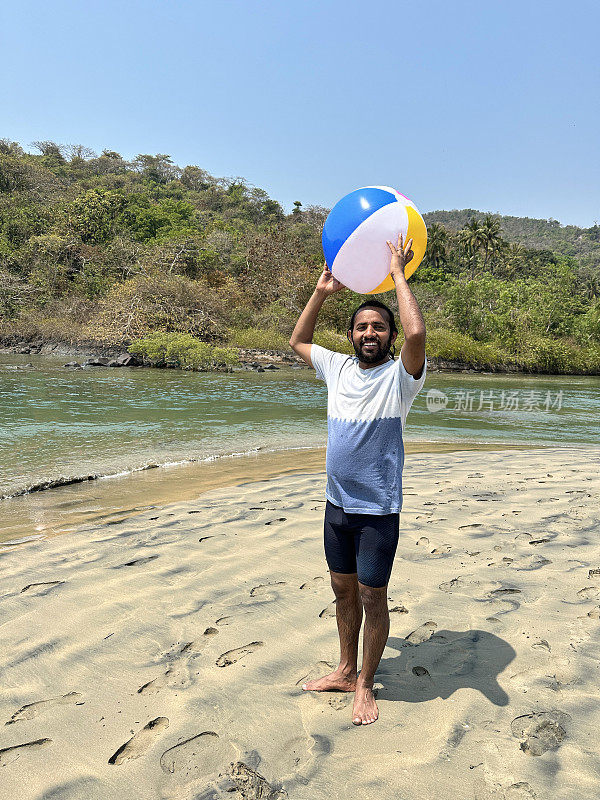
(369,397)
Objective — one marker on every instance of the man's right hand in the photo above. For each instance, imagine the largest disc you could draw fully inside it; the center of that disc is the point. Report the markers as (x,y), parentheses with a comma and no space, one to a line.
(327,284)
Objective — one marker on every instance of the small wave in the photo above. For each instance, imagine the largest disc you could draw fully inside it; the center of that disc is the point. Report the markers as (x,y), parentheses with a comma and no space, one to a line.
(70,480)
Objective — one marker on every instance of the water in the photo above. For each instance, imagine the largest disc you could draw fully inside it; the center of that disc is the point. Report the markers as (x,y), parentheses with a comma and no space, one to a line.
(58,422)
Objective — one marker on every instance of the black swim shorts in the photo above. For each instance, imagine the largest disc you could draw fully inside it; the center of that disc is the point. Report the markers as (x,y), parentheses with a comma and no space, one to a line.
(361,543)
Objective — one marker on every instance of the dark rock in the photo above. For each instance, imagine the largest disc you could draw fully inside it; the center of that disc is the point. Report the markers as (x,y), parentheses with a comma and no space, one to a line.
(271,366)
(74,364)
(97,362)
(127,360)
(24,351)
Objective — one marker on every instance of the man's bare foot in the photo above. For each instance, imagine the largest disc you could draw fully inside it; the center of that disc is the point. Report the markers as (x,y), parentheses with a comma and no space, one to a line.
(365,708)
(336,681)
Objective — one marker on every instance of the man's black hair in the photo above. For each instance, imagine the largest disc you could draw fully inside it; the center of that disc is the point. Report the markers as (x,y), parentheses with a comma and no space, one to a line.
(378,305)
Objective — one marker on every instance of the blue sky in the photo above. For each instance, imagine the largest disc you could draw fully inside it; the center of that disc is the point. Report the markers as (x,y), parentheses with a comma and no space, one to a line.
(489,105)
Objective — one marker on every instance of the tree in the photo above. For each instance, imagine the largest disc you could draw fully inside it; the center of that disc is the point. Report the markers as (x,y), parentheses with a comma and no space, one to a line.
(471,239)
(490,239)
(14,294)
(78,152)
(196,179)
(93,215)
(51,150)
(158,168)
(437,242)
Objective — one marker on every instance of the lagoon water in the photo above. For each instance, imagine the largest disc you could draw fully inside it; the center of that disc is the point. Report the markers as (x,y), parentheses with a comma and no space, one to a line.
(63,422)
(213,429)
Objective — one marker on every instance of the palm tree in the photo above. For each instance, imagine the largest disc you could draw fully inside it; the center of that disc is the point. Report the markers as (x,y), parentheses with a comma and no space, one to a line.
(515,255)
(471,239)
(491,238)
(437,242)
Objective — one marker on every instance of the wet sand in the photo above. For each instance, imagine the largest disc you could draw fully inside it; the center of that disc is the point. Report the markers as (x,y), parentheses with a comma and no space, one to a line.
(161,654)
(64,508)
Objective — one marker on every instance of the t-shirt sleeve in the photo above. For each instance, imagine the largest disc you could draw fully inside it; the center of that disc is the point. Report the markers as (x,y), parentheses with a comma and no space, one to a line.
(409,386)
(325,362)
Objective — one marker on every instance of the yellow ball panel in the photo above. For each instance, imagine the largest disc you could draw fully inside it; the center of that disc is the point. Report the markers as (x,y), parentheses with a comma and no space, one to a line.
(418,233)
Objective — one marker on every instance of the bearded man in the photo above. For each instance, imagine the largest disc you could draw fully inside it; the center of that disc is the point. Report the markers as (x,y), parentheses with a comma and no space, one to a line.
(369,396)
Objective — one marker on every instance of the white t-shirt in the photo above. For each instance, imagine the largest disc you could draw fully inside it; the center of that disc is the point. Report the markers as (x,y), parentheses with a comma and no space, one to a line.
(366,412)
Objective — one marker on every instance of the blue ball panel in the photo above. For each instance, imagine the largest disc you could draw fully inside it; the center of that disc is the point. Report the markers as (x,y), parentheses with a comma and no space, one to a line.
(345,217)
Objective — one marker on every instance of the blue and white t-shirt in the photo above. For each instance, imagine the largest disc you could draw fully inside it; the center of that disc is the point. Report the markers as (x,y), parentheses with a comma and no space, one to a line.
(366,412)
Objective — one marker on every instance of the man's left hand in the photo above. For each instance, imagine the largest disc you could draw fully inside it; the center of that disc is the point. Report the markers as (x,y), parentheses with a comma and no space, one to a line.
(401,255)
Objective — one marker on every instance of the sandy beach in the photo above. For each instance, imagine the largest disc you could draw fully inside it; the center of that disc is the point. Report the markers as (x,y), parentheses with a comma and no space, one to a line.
(162,655)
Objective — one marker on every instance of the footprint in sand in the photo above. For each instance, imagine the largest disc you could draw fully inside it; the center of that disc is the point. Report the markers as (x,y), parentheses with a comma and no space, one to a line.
(589,593)
(31,710)
(137,562)
(520,791)
(233,656)
(422,633)
(140,742)
(10,754)
(454,585)
(328,611)
(266,591)
(40,588)
(439,551)
(523,537)
(532,563)
(275,521)
(295,754)
(542,644)
(423,541)
(174,677)
(541,731)
(200,756)
(247,783)
(194,647)
(314,583)
(177,675)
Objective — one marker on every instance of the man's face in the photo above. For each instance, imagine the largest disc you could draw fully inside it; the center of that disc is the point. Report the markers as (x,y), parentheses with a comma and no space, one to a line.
(371,336)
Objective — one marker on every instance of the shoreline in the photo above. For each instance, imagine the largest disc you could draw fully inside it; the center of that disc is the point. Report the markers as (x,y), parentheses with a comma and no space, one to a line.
(410,447)
(112,499)
(249,358)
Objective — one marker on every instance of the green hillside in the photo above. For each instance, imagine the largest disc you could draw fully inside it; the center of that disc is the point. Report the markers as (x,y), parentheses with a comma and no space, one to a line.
(541,234)
(95,248)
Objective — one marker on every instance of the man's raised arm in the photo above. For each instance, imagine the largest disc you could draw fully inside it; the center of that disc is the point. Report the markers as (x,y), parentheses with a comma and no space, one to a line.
(411,319)
(302,335)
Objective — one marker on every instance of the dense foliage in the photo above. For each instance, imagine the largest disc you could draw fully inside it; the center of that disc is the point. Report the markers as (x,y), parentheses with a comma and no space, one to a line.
(97,248)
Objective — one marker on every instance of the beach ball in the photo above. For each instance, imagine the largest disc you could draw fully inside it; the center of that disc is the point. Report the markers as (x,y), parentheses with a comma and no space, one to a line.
(356,232)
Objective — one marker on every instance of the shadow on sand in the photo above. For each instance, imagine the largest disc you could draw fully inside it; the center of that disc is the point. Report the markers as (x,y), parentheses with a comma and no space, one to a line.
(447,661)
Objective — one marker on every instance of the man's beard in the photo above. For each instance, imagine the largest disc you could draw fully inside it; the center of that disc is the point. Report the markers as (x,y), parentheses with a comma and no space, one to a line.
(373,356)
